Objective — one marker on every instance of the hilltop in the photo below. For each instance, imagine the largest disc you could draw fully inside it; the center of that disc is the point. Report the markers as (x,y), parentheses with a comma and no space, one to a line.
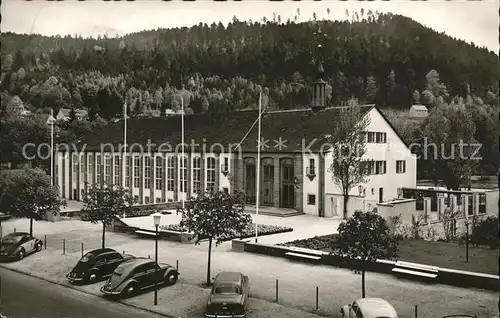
(386,59)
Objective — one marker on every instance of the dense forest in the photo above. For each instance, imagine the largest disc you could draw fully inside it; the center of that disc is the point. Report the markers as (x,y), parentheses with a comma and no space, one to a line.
(390,60)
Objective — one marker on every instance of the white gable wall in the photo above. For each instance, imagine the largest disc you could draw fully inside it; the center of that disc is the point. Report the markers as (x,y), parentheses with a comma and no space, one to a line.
(391,151)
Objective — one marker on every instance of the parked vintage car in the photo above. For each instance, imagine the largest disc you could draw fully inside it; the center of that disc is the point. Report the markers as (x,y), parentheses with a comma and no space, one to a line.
(229,296)
(138,274)
(97,264)
(19,244)
(369,308)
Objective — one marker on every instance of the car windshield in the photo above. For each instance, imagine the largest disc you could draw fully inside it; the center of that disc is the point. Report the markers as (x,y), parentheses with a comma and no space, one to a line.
(118,272)
(87,257)
(227,289)
(10,240)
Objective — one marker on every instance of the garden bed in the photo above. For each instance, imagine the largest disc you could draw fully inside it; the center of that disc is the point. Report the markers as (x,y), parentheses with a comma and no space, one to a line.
(140,213)
(442,254)
(263,229)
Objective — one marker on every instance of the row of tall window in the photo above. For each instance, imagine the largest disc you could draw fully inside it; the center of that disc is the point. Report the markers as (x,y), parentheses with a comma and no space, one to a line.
(159,183)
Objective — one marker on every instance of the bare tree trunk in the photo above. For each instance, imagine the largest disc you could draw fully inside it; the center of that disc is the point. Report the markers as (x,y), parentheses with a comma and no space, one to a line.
(346,199)
(209,260)
(31,226)
(103,234)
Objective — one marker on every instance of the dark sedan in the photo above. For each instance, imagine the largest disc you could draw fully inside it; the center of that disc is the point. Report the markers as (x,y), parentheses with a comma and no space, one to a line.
(139,274)
(19,244)
(229,296)
(97,264)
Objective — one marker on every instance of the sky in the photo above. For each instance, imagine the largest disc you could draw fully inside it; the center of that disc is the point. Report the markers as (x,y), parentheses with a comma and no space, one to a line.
(472,21)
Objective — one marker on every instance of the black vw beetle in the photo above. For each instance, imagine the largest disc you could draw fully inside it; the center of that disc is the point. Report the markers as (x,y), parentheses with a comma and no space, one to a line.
(97,264)
(19,244)
(138,274)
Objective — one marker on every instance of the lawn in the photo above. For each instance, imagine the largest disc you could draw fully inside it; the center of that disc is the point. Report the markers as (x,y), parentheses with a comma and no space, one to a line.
(441,254)
(263,229)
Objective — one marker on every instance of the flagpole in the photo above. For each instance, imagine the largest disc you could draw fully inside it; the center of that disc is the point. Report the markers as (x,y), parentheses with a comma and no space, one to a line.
(182,160)
(51,146)
(124,155)
(258,169)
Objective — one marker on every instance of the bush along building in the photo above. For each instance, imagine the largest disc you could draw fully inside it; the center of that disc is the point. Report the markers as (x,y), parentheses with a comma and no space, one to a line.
(295,176)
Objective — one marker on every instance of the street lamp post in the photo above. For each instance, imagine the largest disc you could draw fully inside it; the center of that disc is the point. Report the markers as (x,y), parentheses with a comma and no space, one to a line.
(156,221)
(51,119)
(466,241)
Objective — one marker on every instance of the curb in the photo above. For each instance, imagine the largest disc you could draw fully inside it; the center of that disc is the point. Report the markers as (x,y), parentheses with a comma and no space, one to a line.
(82,291)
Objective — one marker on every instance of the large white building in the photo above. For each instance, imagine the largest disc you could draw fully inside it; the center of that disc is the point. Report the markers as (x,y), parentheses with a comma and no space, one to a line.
(294,167)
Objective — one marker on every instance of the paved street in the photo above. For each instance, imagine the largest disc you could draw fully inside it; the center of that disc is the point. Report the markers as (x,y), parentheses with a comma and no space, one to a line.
(297,281)
(23,296)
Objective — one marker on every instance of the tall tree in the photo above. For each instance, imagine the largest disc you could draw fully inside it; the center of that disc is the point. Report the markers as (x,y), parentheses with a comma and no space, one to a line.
(391,87)
(29,194)
(416,97)
(215,215)
(371,89)
(347,138)
(103,203)
(366,237)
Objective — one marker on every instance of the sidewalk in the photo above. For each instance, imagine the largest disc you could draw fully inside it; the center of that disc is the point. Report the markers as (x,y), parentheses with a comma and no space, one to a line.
(297,281)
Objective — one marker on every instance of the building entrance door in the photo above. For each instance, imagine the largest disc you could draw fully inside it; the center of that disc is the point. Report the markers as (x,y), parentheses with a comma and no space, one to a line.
(287,186)
(250,183)
(268,183)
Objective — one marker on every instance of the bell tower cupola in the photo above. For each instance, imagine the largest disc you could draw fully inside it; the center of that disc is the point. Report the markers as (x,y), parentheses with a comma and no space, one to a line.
(319,85)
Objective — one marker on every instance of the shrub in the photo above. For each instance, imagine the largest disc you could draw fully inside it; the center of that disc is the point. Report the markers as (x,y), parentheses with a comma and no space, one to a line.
(485,232)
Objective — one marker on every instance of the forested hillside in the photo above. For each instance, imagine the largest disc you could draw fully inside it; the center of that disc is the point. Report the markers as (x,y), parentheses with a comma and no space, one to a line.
(377,58)
(385,59)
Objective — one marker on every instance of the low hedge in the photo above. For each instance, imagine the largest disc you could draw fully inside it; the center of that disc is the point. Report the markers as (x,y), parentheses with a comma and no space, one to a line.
(319,243)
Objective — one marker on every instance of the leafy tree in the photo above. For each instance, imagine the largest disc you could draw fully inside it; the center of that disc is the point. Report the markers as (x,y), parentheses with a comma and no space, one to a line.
(371,89)
(416,97)
(485,232)
(434,84)
(348,141)
(29,194)
(17,132)
(367,237)
(449,218)
(217,216)
(103,203)
(391,87)
(72,115)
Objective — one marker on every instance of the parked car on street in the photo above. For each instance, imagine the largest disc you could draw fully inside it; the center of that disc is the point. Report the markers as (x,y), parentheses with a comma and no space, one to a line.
(229,296)
(97,264)
(19,244)
(369,308)
(138,274)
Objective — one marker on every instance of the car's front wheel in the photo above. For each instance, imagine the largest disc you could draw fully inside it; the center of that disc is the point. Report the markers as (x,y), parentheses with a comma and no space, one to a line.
(171,278)
(93,277)
(38,247)
(130,290)
(21,254)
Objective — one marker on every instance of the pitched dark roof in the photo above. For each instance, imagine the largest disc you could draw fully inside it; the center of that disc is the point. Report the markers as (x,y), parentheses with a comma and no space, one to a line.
(296,127)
